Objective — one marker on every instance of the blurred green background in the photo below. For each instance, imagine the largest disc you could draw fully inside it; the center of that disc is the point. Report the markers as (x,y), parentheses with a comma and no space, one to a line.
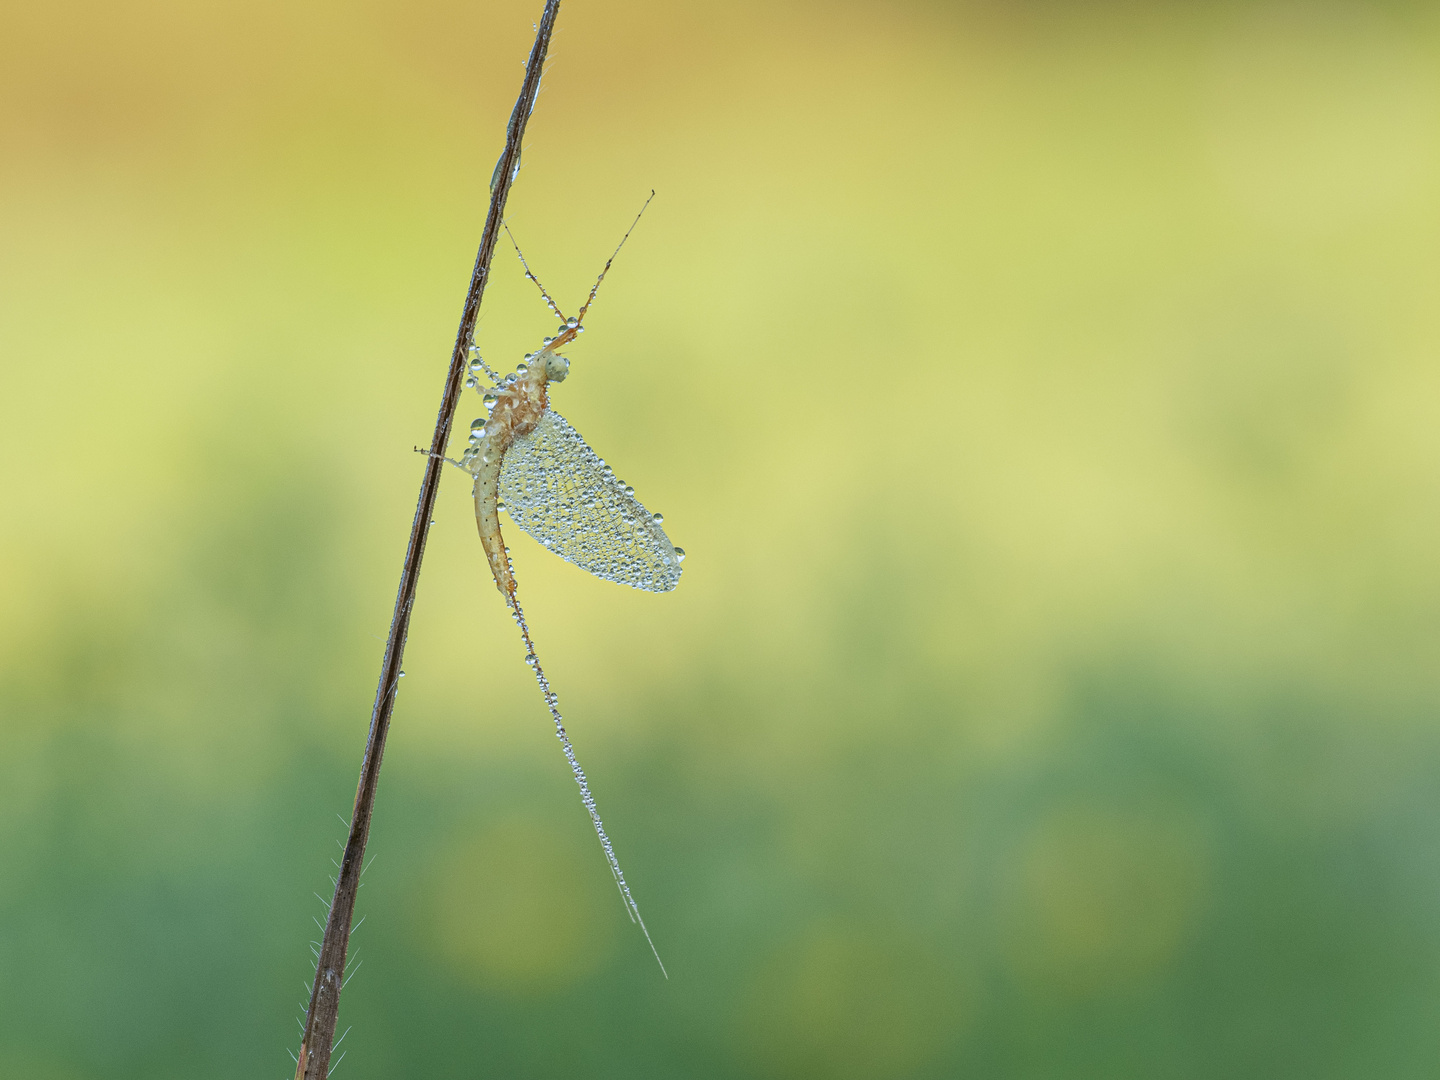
(1046,395)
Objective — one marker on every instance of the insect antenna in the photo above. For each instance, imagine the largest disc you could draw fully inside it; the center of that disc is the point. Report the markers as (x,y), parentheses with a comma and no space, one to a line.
(586,307)
(532,277)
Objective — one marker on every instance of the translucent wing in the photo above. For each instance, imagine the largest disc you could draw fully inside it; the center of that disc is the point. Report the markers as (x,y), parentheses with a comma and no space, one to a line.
(559,491)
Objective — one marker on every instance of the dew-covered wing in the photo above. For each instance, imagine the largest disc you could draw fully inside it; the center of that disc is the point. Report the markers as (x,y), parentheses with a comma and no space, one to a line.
(559,491)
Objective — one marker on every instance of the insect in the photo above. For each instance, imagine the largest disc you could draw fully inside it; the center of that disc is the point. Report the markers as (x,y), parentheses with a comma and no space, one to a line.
(527,460)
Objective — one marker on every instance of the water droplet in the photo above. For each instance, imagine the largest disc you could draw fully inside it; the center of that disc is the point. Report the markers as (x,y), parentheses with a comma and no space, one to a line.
(522,367)
(629,489)
(659,519)
(572,322)
(531,659)
(477,425)
(476,363)
(679,554)
(402,674)
(547,341)
(489,400)
(471,382)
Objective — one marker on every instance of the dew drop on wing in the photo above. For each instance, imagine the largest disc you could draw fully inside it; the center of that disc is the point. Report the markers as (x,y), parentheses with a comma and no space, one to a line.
(560,492)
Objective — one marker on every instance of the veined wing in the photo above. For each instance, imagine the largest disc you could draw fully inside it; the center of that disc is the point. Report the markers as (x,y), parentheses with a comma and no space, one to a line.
(559,491)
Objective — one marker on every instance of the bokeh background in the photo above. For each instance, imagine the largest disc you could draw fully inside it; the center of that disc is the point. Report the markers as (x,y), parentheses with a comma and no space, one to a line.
(1045,393)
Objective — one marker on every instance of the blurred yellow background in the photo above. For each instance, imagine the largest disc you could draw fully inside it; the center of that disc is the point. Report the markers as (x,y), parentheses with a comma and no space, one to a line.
(1046,397)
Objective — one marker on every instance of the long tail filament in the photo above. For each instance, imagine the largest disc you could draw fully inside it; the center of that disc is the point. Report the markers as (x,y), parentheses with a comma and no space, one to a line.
(552,703)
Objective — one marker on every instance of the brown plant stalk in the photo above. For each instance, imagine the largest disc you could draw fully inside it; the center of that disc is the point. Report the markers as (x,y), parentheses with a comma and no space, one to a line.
(324,1010)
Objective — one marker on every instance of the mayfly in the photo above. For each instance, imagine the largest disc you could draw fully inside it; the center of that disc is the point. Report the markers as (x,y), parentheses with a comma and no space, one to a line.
(527,460)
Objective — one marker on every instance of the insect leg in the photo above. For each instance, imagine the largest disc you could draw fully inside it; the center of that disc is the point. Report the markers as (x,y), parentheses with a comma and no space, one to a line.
(442,457)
